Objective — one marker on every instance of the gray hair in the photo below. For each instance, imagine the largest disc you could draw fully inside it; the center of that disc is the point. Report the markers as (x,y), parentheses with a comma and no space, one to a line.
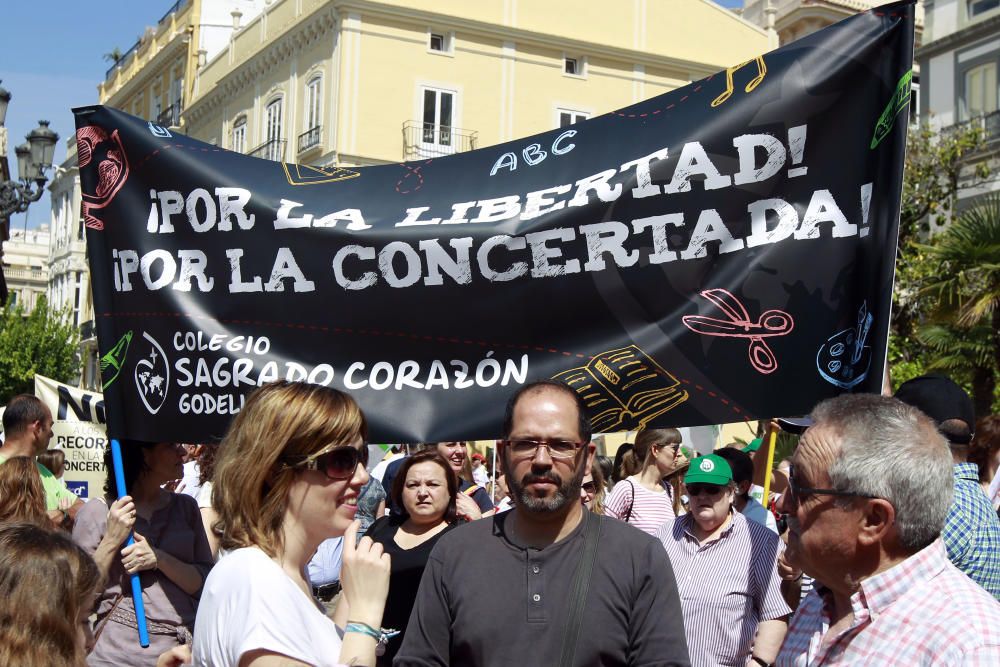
(893,451)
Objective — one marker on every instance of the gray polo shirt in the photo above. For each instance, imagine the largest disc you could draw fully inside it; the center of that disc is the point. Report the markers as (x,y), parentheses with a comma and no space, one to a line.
(486,602)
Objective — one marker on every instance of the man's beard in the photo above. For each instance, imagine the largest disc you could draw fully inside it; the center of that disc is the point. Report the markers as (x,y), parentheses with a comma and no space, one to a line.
(567,491)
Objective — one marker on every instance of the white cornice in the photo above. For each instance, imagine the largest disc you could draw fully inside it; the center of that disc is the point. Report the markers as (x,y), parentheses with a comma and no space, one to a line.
(273,54)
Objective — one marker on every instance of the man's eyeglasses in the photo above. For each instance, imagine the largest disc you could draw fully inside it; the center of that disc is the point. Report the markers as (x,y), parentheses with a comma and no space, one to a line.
(337,463)
(707,489)
(798,493)
(558,449)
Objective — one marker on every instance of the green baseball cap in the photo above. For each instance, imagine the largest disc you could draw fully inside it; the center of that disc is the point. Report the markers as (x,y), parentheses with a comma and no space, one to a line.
(711,469)
(754,445)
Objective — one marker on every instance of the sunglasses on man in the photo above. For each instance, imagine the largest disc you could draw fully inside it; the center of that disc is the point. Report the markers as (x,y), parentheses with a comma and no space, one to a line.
(337,463)
(698,489)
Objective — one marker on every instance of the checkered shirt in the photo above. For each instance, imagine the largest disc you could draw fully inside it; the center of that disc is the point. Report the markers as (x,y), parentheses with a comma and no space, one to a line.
(972,531)
(923,611)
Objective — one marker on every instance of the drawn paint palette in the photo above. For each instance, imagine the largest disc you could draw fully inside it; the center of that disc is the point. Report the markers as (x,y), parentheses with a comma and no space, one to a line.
(844,359)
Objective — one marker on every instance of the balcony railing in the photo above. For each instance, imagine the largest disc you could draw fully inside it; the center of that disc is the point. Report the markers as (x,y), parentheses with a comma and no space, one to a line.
(135,47)
(427,140)
(309,138)
(270,150)
(25,274)
(989,123)
(171,116)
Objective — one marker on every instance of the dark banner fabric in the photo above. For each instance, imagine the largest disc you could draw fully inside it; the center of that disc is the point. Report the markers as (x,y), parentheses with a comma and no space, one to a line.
(718,253)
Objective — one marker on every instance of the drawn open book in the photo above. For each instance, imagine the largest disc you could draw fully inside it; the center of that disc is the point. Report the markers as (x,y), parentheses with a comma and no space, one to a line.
(624,389)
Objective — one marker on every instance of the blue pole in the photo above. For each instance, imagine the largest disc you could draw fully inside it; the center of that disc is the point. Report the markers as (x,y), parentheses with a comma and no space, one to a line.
(140,610)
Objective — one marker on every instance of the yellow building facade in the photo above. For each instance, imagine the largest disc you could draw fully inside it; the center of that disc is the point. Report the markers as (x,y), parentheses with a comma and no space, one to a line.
(359,82)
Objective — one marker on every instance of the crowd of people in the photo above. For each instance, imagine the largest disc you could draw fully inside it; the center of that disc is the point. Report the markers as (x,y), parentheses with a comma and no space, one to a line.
(878,542)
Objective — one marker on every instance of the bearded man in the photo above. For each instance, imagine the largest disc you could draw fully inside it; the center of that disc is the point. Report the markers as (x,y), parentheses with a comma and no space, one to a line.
(546,583)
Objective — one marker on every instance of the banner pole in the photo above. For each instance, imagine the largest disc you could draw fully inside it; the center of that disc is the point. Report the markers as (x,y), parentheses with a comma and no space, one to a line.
(772,436)
(140,610)
(493,481)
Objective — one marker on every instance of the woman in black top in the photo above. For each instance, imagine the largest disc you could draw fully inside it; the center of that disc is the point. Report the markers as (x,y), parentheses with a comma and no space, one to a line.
(426,490)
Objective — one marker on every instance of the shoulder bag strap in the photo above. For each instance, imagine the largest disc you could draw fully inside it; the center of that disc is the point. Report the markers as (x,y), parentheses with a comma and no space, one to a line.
(628,514)
(580,587)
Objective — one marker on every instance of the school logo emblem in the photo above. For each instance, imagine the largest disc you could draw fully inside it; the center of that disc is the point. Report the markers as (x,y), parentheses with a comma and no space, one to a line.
(152,375)
(707,465)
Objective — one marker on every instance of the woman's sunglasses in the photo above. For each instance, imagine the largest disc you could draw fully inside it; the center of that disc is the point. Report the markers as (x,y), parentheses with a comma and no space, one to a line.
(338,463)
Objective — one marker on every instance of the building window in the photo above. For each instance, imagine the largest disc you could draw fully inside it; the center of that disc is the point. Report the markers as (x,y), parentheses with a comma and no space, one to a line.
(567,117)
(314,107)
(981,91)
(272,127)
(157,104)
(440,42)
(574,66)
(977,7)
(239,143)
(437,118)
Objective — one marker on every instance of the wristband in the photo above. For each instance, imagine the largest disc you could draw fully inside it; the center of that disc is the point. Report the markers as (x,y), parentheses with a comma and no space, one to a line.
(760,661)
(380,635)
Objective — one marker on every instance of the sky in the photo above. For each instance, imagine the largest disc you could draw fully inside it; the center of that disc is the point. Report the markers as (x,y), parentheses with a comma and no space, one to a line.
(48,74)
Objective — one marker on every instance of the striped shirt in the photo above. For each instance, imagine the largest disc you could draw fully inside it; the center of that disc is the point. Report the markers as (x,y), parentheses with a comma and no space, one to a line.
(649,509)
(727,587)
(922,611)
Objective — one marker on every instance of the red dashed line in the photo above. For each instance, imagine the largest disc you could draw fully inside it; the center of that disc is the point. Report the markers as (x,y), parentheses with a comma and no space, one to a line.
(412,171)
(164,147)
(667,108)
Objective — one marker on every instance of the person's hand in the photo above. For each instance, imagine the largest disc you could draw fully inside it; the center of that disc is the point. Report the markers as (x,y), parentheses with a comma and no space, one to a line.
(175,657)
(140,556)
(364,577)
(467,508)
(121,519)
(787,570)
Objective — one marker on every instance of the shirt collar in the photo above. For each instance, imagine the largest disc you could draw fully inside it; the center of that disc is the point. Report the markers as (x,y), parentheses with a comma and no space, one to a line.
(687,521)
(877,593)
(967,471)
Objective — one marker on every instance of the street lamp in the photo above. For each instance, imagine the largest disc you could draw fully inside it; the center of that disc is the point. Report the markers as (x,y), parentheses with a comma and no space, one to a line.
(33,159)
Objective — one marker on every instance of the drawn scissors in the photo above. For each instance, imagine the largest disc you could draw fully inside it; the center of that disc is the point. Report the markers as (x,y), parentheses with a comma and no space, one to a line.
(739,325)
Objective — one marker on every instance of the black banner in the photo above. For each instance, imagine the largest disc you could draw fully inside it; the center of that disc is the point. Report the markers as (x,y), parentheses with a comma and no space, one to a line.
(718,253)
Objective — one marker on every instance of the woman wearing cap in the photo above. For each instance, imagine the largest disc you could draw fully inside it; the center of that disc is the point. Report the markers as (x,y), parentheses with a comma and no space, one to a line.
(287,478)
(426,490)
(642,498)
(726,573)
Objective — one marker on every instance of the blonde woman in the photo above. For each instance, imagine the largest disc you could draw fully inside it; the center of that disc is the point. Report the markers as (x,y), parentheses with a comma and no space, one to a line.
(642,498)
(287,477)
(22,497)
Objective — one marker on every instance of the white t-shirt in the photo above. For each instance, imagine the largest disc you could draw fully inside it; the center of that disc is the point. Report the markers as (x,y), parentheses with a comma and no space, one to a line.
(249,603)
(205,495)
(190,483)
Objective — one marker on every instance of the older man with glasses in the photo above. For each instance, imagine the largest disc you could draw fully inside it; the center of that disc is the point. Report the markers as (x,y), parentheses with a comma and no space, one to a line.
(869,488)
(546,583)
(726,573)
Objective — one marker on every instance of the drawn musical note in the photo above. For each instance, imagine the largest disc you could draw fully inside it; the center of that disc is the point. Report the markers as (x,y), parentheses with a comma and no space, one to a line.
(754,82)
